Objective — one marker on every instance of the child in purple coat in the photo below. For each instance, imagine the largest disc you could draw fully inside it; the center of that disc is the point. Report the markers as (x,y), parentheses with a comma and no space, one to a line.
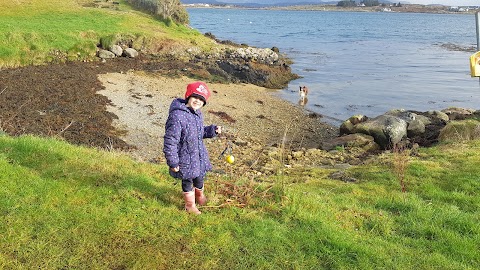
(183,146)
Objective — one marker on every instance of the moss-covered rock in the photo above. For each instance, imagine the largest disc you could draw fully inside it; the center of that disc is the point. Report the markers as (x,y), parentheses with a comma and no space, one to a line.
(456,131)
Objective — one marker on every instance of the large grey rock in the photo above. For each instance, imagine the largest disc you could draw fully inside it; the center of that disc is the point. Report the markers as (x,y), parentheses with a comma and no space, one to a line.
(455,113)
(407,116)
(348,126)
(265,55)
(387,130)
(423,119)
(366,142)
(104,54)
(116,49)
(130,52)
(415,128)
(439,115)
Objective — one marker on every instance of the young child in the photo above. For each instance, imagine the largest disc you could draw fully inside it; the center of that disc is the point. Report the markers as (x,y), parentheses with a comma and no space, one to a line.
(183,146)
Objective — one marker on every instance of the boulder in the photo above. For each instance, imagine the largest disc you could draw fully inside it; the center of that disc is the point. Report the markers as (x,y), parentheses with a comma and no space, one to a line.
(348,125)
(366,142)
(387,130)
(130,52)
(415,128)
(455,113)
(116,49)
(407,116)
(457,131)
(104,54)
(439,115)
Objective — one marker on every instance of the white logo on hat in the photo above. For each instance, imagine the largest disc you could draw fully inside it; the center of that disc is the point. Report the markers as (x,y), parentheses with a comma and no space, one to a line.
(202,89)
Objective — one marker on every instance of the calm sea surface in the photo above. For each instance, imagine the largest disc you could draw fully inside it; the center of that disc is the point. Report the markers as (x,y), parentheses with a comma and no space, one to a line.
(360,63)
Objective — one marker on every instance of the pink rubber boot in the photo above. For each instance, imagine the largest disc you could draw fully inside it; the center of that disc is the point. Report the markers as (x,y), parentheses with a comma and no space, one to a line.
(200,196)
(190,206)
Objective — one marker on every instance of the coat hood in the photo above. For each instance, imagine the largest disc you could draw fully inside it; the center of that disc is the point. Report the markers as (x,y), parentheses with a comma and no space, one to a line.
(181,104)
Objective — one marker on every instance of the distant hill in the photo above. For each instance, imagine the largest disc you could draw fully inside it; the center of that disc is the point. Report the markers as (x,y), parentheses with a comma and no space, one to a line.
(274,2)
(265,3)
(211,2)
(255,2)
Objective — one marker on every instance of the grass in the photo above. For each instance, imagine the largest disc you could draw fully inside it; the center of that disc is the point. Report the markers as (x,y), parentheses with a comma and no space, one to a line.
(36,32)
(65,206)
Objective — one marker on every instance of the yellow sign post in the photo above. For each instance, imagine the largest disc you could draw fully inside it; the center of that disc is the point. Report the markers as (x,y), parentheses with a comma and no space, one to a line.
(475,64)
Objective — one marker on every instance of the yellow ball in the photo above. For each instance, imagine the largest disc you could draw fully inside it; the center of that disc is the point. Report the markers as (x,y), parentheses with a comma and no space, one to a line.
(230,159)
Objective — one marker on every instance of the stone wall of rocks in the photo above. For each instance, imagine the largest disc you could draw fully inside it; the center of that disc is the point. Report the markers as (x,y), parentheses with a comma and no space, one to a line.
(116,51)
(407,128)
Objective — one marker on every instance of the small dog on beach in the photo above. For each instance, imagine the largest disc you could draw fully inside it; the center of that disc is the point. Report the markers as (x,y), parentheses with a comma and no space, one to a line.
(303,92)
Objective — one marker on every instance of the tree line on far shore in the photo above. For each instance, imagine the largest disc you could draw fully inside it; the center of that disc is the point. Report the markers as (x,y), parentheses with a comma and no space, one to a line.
(367,3)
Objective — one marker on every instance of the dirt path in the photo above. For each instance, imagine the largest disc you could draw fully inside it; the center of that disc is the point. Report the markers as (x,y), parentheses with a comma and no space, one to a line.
(252,117)
(123,104)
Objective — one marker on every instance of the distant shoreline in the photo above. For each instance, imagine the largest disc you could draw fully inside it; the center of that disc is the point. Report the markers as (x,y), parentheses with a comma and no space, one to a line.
(404,8)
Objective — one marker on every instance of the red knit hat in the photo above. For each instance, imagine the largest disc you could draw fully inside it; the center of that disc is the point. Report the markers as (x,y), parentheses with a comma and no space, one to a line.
(198,89)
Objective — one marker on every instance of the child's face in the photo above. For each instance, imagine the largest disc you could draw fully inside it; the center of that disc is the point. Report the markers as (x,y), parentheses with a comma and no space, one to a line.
(195,103)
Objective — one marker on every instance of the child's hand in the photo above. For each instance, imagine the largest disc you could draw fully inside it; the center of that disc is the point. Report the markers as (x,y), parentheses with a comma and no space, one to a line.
(218,130)
(176,169)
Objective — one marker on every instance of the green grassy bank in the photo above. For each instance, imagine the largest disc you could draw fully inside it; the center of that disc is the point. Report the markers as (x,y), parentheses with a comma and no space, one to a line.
(38,32)
(65,206)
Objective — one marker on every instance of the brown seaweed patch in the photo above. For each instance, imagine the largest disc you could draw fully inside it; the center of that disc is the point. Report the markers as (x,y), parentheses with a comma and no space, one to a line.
(224,116)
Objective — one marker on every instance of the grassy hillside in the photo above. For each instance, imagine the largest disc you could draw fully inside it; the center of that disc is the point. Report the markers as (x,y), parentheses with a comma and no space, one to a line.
(64,206)
(37,31)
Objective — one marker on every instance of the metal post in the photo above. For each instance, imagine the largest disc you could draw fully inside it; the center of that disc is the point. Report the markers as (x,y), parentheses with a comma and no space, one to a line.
(477,21)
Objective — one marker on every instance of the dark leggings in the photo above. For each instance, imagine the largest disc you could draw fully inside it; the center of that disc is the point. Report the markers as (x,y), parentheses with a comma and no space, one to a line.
(188,184)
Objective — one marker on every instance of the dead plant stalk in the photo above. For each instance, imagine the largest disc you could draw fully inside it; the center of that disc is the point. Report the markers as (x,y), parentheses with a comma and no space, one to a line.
(400,164)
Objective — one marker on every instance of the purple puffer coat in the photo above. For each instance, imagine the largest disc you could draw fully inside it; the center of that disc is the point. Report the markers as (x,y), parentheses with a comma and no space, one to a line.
(183,141)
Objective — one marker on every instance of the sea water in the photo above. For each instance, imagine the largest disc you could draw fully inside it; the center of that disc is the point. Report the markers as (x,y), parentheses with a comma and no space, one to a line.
(360,62)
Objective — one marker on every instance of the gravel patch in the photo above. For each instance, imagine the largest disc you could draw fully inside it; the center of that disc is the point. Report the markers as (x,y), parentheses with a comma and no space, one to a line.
(253,117)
